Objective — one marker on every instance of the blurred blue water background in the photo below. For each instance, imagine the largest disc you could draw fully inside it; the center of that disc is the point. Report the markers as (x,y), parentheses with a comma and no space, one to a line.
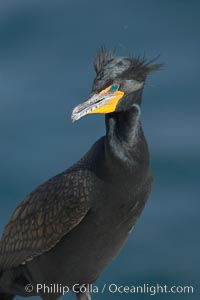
(46,55)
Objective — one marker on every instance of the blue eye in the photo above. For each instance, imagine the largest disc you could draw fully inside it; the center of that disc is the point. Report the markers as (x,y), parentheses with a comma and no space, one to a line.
(114,87)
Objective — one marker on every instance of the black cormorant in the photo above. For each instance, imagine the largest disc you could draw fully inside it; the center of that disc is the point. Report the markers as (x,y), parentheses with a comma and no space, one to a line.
(69,229)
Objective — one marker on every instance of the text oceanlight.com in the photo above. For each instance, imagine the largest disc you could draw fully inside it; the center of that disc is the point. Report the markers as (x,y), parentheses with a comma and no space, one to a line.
(113,288)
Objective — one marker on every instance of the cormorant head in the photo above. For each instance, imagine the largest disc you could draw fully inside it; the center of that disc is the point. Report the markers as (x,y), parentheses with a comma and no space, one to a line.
(118,84)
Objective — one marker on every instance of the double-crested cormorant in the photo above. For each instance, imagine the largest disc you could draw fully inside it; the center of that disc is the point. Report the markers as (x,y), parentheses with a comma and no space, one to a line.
(69,229)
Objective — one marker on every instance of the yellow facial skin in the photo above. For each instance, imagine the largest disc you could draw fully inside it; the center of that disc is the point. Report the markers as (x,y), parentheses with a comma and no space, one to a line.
(102,103)
(111,104)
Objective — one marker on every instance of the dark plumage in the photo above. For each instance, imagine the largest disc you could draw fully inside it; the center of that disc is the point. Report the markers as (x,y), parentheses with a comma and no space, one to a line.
(68,229)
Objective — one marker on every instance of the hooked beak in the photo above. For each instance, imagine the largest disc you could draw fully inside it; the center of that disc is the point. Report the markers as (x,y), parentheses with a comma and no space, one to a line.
(102,103)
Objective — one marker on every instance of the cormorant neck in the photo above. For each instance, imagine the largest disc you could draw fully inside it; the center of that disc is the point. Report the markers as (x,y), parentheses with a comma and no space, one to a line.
(123,132)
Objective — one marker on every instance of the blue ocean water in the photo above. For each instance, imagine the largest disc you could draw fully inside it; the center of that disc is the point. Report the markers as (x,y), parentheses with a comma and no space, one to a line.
(46,56)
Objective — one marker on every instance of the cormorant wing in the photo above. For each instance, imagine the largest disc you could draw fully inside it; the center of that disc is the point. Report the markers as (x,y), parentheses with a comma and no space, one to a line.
(45,216)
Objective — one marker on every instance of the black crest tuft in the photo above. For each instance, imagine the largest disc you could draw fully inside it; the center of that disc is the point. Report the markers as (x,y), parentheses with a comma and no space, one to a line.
(103,56)
(142,66)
